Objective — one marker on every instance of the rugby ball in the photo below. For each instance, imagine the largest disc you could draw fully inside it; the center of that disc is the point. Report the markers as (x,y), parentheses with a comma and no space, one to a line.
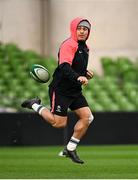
(39,73)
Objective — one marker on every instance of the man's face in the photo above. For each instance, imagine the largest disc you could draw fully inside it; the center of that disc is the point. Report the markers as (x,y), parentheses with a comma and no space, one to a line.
(82,33)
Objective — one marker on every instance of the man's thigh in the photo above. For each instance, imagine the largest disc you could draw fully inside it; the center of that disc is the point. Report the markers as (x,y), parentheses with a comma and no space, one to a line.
(83,113)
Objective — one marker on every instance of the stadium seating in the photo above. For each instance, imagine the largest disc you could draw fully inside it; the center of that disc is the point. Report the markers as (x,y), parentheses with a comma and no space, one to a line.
(116,90)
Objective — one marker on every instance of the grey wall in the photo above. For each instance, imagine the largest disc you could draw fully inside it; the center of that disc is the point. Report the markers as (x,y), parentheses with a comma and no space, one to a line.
(21,23)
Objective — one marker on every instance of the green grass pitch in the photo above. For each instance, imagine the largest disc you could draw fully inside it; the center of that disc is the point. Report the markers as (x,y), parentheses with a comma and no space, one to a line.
(101,162)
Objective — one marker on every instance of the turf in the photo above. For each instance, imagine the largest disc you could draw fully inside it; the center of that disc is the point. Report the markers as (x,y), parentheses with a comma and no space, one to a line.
(101,162)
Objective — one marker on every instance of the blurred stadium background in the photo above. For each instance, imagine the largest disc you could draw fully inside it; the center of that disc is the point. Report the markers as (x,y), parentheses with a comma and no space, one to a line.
(31,32)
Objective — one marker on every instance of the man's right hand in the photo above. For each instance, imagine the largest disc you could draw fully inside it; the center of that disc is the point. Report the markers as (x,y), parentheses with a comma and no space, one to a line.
(83,80)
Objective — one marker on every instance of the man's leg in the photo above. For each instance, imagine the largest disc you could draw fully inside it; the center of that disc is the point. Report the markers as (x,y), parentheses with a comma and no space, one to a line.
(85,118)
(55,120)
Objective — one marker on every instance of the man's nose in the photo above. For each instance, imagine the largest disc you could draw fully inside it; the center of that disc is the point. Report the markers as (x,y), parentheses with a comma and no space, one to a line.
(81,31)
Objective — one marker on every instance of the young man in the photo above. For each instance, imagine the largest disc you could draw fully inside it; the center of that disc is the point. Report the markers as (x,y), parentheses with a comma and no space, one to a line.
(65,90)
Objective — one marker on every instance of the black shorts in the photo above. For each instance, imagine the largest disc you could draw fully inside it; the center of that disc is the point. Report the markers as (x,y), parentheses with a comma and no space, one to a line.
(60,104)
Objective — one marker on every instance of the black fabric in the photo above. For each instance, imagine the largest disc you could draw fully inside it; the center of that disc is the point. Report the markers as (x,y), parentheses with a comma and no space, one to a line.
(73,141)
(65,75)
(61,103)
(68,72)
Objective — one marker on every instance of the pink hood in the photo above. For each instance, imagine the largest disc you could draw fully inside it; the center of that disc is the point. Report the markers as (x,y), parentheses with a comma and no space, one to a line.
(73,27)
(69,47)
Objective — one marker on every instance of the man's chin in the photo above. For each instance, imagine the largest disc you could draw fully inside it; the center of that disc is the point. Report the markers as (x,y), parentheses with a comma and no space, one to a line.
(81,40)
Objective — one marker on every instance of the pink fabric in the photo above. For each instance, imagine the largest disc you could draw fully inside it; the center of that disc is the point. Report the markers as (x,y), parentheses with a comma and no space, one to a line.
(53,102)
(67,51)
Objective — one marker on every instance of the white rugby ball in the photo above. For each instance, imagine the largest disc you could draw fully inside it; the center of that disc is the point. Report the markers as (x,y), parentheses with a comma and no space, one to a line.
(39,73)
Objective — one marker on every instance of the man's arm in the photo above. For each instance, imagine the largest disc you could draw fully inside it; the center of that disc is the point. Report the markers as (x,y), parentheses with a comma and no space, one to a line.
(71,74)
(68,71)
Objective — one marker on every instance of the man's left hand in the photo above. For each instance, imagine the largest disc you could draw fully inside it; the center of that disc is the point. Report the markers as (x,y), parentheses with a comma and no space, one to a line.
(89,74)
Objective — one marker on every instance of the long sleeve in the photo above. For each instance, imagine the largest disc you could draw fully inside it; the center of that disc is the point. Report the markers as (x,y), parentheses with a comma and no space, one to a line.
(68,72)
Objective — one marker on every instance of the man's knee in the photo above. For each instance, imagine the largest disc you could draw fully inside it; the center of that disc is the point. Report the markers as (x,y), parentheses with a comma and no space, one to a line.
(88,119)
(91,118)
(60,123)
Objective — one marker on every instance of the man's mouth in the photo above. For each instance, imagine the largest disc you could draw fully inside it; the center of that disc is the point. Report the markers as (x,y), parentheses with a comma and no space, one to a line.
(81,36)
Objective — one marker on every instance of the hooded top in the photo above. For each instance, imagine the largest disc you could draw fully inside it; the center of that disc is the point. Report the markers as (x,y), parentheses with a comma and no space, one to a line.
(72,63)
(70,46)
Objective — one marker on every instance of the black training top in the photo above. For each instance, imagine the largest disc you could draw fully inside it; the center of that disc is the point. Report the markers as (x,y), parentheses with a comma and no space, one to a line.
(66,74)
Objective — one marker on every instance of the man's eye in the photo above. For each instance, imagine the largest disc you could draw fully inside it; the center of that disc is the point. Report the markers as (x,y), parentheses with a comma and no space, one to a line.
(85,29)
(79,28)
(82,28)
